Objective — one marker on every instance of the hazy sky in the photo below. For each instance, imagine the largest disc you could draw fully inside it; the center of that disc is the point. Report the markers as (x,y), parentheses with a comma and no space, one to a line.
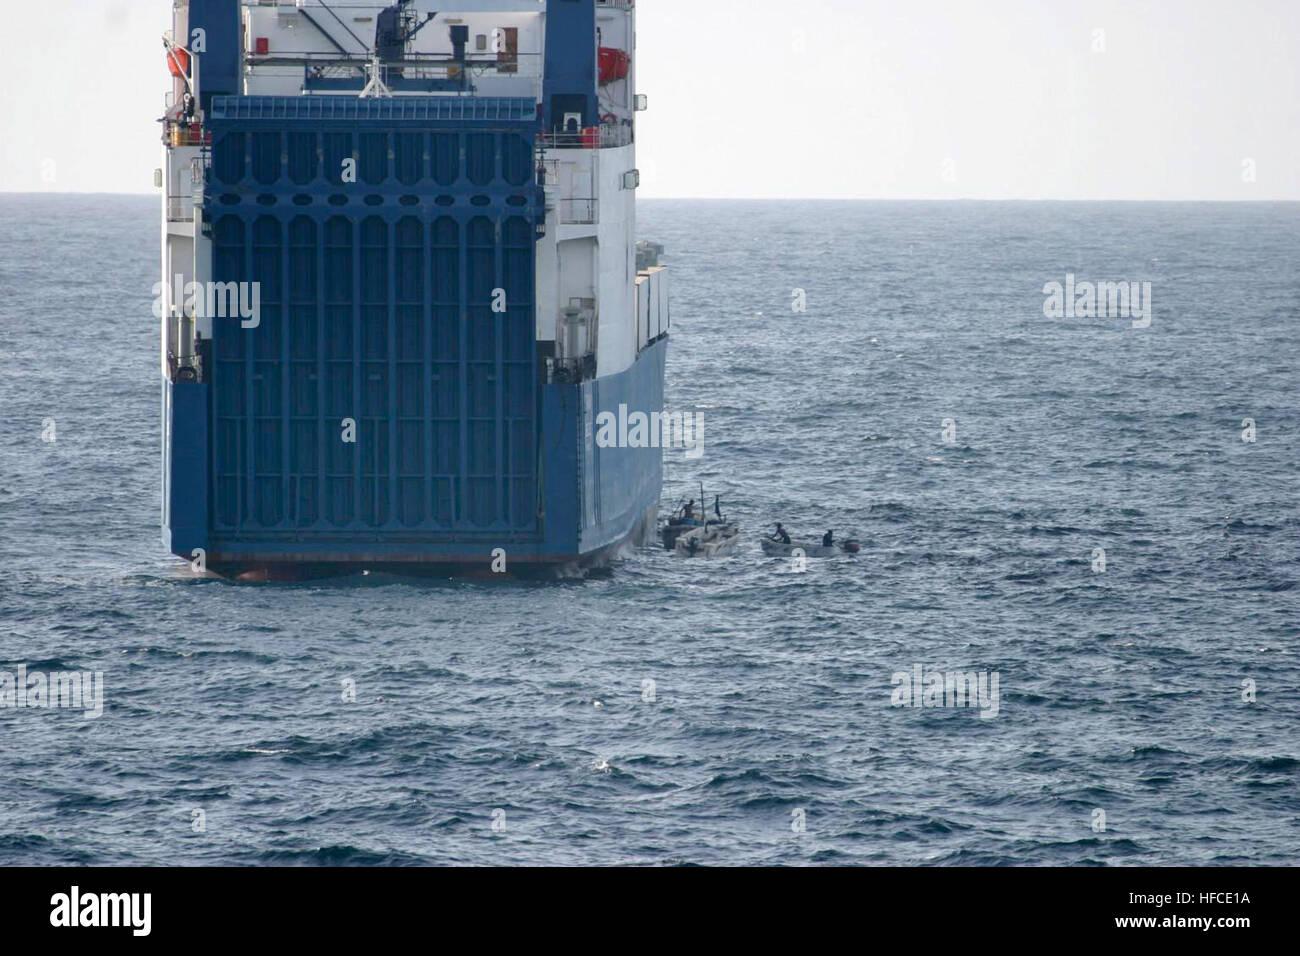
(990,99)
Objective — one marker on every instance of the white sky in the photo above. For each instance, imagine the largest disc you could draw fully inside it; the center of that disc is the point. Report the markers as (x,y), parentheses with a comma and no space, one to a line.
(987,99)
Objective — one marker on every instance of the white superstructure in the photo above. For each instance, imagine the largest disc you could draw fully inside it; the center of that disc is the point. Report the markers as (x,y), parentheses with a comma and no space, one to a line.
(591,301)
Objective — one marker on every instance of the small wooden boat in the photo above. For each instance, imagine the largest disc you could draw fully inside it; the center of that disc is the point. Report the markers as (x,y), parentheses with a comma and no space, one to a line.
(709,541)
(811,549)
(675,527)
(686,519)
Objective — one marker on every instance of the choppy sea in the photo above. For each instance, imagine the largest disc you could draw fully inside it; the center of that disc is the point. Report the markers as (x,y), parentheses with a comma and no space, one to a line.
(1064,505)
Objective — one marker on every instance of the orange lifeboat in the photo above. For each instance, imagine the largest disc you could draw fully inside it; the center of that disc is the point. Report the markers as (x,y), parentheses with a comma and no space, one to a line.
(613,64)
(178,62)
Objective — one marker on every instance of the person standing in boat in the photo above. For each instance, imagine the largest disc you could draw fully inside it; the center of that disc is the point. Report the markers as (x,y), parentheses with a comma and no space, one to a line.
(828,539)
(688,512)
(781,534)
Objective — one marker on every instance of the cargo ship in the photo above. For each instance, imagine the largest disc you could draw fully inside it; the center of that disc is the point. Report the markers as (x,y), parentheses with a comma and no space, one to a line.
(400,282)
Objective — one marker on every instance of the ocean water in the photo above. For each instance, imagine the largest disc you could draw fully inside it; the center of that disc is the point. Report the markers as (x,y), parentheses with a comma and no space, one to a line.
(1161,691)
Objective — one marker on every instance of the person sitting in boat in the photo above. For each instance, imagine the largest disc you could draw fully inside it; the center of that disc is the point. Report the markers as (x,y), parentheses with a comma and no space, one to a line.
(828,539)
(781,534)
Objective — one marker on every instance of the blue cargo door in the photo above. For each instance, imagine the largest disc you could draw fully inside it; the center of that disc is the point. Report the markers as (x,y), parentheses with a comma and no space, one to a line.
(377,308)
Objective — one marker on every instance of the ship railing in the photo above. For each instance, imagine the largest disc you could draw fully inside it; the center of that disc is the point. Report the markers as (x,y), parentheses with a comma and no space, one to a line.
(180,208)
(569,210)
(526,65)
(188,188)
(612,136)
(607,136)
(411,58)
(577,211)
(566,141)
(177,132)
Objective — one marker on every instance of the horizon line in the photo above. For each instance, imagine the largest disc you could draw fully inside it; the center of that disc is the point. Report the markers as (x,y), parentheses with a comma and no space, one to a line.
(937,199)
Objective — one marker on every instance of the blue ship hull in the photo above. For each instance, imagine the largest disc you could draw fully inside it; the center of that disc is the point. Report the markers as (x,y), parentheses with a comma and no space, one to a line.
(391,405)
(376,316)
(591,502)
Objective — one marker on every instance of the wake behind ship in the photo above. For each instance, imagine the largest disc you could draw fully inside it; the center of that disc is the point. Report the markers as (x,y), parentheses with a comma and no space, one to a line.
(400,283)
